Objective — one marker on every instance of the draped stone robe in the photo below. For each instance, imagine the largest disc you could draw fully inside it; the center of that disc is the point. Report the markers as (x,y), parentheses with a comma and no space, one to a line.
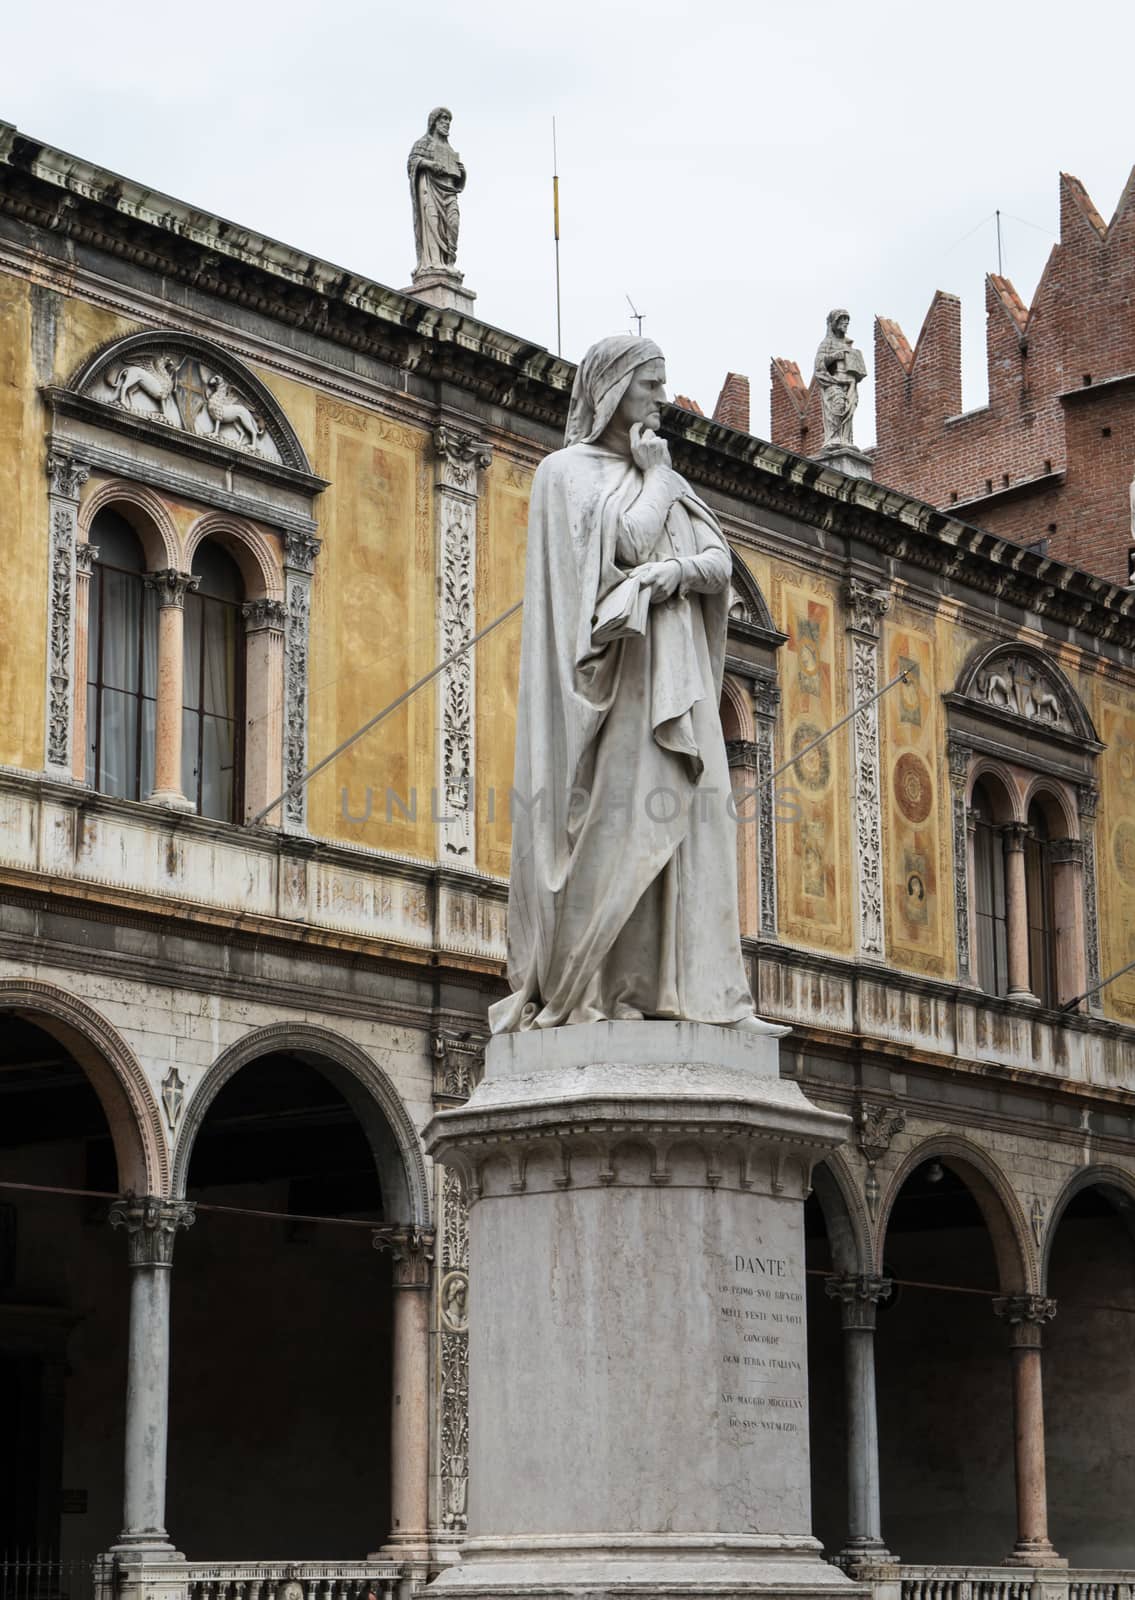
(623,889)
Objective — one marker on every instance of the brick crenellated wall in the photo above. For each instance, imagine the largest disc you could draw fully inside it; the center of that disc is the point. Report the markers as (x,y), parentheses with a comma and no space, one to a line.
(1052,455)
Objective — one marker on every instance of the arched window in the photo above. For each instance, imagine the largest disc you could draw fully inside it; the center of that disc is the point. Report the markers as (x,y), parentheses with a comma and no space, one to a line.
(990,905)
(1041,906)
(212,749)
(122,663)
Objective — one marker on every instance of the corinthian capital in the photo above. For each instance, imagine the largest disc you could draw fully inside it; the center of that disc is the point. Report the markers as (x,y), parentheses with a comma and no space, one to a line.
(866,606)
(858,1294)
(66,475)
(1025,1315)
(171,585)
(151,1226)
(460,456)
(412,1251)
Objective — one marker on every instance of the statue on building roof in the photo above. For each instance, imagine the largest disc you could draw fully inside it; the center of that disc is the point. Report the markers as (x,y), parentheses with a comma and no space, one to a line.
(840,368)
(437,177)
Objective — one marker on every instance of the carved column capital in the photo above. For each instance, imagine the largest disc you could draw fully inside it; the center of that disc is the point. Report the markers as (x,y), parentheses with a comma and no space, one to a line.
(1087,799)
(1025,1316)
(866,605)
(460,457)
(959,755)
(741,753)
(1013,836)
(171,586)
(459,1060)
(1066,852)
(859,1295)
(300,551)
(65,475)
(151,1226)
(412,1252)
(264,616)
(765,695)
(86,554)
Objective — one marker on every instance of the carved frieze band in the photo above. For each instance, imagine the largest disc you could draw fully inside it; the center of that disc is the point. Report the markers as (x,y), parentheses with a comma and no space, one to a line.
(300,551)
(866,607)
(1087,801)
(151,1226)
(766,700)
(960,756)
(460,459)
(453,1317)
(66,477)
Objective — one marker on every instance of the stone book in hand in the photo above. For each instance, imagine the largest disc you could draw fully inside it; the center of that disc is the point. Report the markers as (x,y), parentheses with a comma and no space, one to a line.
(621,612)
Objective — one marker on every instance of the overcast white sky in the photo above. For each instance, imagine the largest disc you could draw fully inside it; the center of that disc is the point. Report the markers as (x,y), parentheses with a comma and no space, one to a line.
(736,168)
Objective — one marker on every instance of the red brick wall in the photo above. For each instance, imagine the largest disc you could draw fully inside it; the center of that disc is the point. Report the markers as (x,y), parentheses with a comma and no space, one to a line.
(1078,332)
(732,406)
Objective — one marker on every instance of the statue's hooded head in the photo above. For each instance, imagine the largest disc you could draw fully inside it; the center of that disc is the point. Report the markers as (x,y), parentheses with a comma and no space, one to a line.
(601,381)
(834,316)
(435,117)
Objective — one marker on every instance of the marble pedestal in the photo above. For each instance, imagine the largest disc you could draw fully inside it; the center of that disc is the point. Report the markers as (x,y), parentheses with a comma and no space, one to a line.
(638,1400)
(442,287)
(846,458)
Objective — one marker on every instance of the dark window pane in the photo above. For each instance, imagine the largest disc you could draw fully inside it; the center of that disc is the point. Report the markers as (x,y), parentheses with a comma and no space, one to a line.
(118,745)
(217,771)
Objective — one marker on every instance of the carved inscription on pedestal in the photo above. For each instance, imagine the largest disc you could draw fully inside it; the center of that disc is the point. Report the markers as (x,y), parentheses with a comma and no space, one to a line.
(763,1384)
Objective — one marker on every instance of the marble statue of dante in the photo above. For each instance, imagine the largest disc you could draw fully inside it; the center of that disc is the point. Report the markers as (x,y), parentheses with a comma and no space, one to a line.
(623,888)
(437,177)
(840,367)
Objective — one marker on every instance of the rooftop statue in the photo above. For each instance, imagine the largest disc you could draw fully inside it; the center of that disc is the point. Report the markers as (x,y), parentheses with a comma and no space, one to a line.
(840,368)
(623,888)
(437,177)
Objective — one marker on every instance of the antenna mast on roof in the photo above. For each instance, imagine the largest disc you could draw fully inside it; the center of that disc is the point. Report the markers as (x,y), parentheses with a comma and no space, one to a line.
(997,214)
(556,231)
(637,315)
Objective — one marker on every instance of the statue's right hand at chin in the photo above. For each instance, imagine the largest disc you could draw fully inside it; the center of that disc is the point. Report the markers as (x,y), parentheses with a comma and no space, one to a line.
(648,449)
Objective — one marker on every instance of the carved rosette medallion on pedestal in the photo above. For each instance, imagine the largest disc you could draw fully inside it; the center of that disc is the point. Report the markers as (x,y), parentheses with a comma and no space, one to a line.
(66,478)
(300,551)
(636,1272)
(866,607)
(459,462)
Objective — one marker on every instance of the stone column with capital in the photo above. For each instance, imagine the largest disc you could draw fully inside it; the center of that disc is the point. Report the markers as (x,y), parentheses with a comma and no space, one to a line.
(1017,912)
(171,587)
(66,674)
(151,1226)
(264,624)
(859,1296)
(86,554)
(412,1252)
(459,461)
(866,607)
(1025,1316)
(300,551)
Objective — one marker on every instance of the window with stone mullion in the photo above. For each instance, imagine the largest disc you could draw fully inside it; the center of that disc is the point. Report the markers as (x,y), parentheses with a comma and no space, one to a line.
(122,644)
(212,748)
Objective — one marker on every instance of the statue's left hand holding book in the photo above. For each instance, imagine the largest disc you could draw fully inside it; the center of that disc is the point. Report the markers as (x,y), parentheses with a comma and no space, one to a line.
(622,612)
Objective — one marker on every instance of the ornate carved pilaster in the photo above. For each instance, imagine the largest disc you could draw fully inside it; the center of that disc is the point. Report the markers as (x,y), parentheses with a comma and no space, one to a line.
(66,477)
(172,586)
(264,616)
(1025,1316)
(151,1227)
(866,607)
(459,460)
(960,756)
(1087,802)
(766,702)
(300,551)
(453,1318)
(859,1295)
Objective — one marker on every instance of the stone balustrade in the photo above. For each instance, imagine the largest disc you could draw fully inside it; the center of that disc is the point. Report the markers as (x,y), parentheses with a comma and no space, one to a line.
(124,1579)
(903,1582)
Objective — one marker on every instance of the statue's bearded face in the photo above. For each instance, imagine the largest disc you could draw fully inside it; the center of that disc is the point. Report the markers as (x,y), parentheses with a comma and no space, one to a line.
(442,125)
(841,326)
(644,399)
